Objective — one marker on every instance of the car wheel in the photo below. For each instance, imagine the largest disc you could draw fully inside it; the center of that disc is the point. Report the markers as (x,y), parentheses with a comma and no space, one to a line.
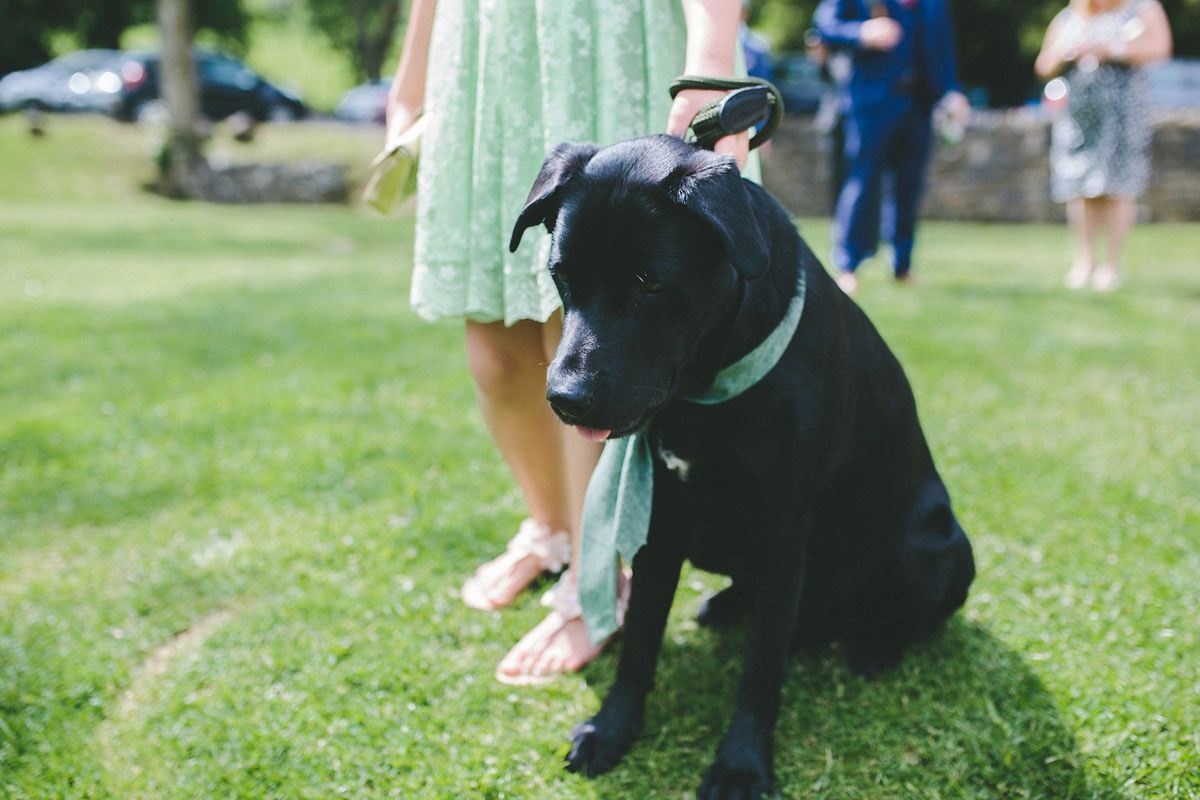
(149,111)
(282,113)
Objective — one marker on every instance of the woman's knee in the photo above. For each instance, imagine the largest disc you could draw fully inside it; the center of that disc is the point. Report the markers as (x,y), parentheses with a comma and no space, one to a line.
(503,358)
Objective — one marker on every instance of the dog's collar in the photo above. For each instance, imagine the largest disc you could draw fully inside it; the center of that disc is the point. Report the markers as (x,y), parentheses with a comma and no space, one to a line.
(616,510)
(753,367)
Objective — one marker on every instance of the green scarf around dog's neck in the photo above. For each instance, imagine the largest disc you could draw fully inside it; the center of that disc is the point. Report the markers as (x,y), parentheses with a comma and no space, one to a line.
(616,510)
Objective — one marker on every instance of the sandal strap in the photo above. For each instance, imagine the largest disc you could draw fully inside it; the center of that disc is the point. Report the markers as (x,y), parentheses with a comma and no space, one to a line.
(552,549)
(563,597)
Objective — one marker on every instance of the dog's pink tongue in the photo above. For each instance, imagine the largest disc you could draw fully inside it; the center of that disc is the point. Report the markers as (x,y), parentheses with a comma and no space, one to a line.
(592,434)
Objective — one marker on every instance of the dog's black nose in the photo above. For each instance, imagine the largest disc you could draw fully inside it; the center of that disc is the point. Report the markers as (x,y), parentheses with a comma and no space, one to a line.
(571,406)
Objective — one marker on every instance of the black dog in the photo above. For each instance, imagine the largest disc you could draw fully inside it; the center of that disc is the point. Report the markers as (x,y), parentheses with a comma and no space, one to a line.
(814,489)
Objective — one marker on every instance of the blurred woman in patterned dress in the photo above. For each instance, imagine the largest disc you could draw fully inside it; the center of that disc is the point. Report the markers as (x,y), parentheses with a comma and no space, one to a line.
(1100,145)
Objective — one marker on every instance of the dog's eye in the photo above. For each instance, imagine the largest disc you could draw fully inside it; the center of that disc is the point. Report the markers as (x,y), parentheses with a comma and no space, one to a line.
(649,286)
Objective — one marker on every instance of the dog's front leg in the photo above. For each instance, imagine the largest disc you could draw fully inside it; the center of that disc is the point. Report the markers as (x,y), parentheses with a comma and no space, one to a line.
(744,764)
(598,744)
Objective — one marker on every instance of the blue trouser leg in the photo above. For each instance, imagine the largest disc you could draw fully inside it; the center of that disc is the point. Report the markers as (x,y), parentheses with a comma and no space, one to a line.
(887,207)
(856,222)
(907,159)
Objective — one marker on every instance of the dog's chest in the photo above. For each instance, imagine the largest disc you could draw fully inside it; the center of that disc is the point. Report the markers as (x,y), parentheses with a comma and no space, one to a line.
(704,495)
(695,447)
(675,464)
(682,454)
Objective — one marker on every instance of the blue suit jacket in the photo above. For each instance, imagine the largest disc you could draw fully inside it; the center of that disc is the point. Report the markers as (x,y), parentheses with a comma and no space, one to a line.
(923,63)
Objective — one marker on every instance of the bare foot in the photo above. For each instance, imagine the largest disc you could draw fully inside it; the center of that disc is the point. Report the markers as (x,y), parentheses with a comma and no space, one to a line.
(848,282)
(531,552)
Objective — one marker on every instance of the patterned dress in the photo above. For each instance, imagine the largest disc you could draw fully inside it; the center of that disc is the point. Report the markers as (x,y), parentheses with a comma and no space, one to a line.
(507,81)
(1100,145)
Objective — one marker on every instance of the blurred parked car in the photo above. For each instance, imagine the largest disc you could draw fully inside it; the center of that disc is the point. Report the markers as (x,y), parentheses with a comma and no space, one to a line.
(227,86)
(801,83)
(1175,83)
(364,103)
(85,80)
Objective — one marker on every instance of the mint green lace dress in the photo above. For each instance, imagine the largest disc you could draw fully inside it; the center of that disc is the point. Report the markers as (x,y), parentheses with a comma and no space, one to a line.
(507,81)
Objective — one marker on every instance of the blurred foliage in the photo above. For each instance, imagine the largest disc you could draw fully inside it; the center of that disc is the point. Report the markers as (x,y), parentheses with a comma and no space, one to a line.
(997,39)
(24,37)
(362,30)
(31,25)
(1185,26)
(783,22)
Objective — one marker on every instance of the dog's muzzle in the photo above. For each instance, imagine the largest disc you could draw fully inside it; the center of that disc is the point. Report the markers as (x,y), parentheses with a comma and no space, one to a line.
(570,404)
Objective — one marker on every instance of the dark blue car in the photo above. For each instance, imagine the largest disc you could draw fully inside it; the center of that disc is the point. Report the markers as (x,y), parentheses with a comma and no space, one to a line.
(227,86)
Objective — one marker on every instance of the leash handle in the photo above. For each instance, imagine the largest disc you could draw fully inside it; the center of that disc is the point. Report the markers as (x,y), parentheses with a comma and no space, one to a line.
(750,102)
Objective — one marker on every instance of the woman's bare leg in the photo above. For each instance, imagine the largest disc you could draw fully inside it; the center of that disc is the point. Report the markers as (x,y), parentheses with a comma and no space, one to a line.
(1121,213)
(508,364)
(560,644)
(1083,217)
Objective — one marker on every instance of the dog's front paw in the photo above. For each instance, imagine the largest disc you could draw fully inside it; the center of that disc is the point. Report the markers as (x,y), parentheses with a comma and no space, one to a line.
(598,744)
(739,773)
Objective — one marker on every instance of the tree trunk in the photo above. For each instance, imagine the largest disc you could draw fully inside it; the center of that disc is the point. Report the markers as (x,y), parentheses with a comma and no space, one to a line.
(183,162)
(373,44)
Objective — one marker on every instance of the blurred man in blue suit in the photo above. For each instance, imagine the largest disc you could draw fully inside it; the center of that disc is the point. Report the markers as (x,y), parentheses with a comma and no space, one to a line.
(904,67)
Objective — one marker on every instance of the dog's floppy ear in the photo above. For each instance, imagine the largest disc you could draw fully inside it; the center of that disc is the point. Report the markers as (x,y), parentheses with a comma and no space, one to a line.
(712,188)
(541,207)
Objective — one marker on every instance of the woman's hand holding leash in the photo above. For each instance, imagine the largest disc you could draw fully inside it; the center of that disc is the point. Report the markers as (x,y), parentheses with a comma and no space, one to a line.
(683,110)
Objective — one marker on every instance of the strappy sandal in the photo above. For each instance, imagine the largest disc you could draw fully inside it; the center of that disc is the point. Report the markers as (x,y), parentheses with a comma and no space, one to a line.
(563,601)
(551,549)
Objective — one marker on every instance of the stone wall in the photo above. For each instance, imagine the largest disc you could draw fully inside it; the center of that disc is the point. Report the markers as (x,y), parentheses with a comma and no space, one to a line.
(999,173)
(303,182)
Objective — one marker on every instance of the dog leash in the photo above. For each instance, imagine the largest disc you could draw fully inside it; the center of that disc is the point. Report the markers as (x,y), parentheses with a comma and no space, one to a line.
(750,102)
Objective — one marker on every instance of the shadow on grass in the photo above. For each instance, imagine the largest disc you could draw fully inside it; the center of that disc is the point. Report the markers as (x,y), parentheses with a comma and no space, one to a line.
(963,716)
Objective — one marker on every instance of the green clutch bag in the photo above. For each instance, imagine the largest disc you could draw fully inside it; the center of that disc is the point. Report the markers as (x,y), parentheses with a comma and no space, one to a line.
(394,171)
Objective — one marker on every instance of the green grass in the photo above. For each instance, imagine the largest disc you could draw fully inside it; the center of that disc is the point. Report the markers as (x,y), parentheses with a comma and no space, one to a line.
(240,484)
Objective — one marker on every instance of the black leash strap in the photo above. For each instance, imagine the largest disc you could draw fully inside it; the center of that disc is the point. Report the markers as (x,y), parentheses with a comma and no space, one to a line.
(750,102)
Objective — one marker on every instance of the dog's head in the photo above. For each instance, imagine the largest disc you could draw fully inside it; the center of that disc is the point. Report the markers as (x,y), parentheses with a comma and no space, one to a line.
(650,239)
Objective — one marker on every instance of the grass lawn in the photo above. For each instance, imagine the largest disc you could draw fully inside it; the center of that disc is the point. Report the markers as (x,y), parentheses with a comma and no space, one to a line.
(240,485)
